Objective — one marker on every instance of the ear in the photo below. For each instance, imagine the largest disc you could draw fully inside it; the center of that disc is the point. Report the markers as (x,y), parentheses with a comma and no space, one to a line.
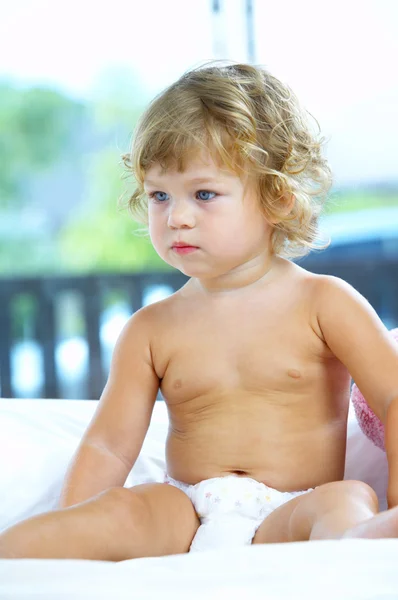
(291,200)
(288,204)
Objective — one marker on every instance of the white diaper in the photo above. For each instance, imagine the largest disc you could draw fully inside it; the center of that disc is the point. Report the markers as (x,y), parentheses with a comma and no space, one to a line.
(230,509)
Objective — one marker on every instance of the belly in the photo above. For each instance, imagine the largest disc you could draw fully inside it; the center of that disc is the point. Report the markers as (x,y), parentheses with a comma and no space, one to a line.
(284,443)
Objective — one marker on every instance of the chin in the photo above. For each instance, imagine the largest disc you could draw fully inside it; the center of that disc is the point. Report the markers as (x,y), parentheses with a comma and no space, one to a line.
(189,272)
(192,271)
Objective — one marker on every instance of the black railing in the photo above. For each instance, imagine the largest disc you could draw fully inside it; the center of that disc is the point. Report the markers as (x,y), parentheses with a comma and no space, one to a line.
(376,280)
(44,291)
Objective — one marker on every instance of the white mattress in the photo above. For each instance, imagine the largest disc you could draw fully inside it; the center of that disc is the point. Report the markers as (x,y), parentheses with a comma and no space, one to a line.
(37,439)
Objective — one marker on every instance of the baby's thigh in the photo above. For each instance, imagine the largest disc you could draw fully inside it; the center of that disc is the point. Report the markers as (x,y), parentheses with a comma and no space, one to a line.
(170,518)
(276,527)
(293,521)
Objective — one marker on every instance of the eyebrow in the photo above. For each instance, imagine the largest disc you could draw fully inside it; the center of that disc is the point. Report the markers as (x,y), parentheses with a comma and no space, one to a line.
(193,180)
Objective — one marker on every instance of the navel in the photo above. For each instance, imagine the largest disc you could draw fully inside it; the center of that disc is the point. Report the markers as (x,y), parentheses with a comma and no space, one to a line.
(294,373)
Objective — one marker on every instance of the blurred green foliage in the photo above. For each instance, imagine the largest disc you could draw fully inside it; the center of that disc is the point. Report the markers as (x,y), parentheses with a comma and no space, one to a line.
(38,129)
(354,200)
(102,236)
(35,132)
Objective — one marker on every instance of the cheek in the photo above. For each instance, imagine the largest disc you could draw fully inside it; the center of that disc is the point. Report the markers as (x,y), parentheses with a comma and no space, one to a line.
(244,232)
(154,230)
(229,239)
(154,220)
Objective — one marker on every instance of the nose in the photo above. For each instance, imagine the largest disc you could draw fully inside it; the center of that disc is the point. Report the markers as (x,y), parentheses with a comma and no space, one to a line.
(181,215)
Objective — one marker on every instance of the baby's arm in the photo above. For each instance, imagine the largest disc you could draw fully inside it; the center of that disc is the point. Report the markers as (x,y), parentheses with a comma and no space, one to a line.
(114,437)
(355,334)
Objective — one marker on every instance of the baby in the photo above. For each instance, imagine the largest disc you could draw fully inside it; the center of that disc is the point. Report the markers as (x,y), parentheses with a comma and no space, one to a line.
(253,355)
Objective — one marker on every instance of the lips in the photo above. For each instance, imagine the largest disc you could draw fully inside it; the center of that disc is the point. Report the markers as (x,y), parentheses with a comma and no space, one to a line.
(183,248)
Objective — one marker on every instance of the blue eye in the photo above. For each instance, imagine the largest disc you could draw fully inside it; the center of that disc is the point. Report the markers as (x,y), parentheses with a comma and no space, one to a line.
(204,195)
(158,196)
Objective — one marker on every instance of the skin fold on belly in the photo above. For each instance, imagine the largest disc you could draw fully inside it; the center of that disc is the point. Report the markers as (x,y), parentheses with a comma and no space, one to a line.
(283,457)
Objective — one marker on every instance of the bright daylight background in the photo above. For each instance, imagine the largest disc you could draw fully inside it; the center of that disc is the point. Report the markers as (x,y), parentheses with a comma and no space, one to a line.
(74,76)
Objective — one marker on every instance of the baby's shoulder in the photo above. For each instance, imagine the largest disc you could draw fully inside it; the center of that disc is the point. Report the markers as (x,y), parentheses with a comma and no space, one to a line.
(310,288)
(160,313)
(325,294)
(297,278)
(315,280)
(321,284)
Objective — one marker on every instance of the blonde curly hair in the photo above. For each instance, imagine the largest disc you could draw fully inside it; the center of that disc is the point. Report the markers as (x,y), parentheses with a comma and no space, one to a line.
(251,123)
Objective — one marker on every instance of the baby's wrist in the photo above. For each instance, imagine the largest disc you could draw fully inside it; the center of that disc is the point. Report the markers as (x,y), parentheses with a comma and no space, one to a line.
(392,495)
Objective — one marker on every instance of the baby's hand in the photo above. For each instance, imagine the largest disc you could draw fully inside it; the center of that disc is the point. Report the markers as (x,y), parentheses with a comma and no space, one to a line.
(392,495)
(391,444)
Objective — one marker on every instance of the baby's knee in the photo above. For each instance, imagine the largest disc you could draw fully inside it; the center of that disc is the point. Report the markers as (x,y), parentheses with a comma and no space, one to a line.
(122,507)
(351,492)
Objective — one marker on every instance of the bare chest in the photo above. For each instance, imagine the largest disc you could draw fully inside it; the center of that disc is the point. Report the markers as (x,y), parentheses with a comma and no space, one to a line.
(251,350)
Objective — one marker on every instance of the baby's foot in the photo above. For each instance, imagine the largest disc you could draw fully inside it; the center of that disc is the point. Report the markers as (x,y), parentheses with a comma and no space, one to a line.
(383,525)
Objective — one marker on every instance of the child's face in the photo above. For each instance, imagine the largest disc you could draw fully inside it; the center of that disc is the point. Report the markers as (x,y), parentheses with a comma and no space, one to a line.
(208,209)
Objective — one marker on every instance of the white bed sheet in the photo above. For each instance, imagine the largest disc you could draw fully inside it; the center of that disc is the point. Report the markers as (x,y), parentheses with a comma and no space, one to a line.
(327,570)
(37,440)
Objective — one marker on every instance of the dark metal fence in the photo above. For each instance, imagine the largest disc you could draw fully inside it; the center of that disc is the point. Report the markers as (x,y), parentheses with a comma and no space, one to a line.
(376,280)
(44,291)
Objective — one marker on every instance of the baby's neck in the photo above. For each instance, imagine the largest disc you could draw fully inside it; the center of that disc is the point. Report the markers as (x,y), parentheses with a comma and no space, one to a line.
(245,278)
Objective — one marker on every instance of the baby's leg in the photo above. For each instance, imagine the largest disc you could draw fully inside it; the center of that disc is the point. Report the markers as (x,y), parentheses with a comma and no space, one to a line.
(118,524)
(327,512)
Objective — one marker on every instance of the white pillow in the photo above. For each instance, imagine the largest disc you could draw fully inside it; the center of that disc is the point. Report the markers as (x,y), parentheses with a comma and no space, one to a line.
(39,437)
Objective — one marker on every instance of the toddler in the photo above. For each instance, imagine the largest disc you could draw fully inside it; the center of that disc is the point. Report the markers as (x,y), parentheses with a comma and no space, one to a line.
(253,355)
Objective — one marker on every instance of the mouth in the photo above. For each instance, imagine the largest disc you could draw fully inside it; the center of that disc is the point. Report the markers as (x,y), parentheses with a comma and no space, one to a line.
(181,248)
